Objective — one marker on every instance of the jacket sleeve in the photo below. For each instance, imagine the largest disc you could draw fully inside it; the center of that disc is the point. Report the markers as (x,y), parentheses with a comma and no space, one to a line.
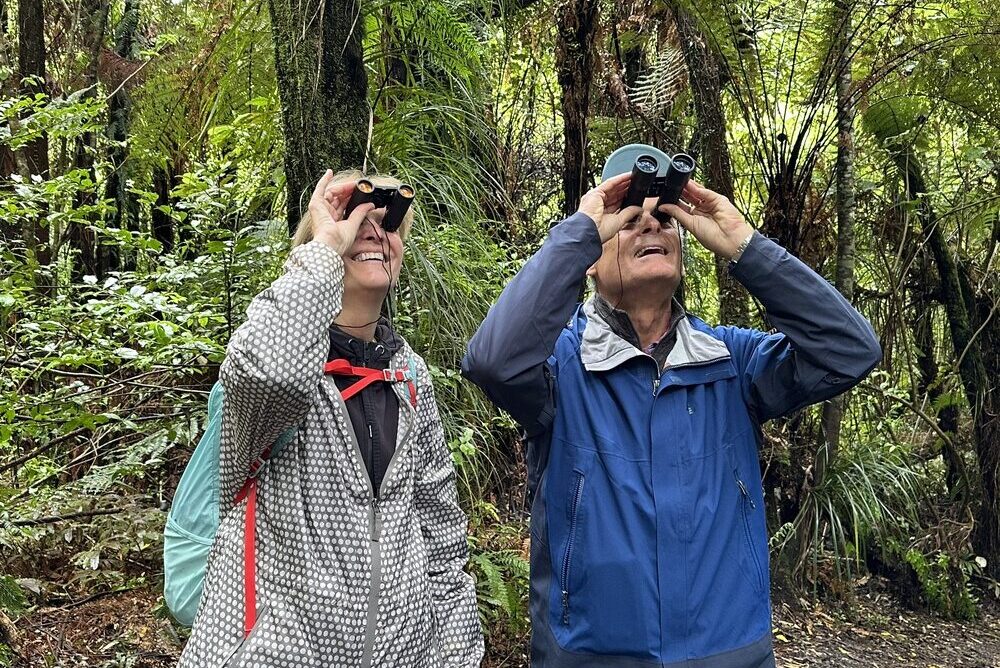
(507,355)
(444,529)
(274,361)
(823,348)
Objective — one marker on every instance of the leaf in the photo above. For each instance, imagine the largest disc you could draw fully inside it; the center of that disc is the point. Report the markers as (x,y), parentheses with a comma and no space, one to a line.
(12,598)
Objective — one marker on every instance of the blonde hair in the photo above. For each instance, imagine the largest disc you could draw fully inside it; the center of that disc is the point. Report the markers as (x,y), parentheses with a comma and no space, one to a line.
(304,232)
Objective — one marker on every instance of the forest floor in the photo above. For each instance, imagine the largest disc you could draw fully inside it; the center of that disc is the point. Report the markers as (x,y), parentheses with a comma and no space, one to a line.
(123,631)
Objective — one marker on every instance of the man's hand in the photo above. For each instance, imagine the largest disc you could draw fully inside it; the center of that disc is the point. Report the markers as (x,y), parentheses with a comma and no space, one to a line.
(327,206)
(601,204)
(711,218)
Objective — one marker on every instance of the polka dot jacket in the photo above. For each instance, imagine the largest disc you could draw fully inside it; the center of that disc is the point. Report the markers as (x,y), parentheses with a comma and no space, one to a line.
(342,579)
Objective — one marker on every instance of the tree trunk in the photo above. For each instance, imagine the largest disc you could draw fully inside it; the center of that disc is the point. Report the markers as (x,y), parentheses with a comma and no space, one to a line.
(833,410)
(713,151)
(577,25)
(929,383)
(323,86)
(969,352)
(119,119)
(163,224)
(8,164)
(31,59)
(81,237)
(9,231)
(986,418)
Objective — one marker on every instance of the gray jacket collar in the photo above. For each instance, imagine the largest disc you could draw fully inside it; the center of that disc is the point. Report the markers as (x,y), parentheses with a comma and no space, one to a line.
(601,349)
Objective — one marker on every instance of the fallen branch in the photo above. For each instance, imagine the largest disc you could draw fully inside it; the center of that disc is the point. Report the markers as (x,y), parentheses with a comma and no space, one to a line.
(65,518)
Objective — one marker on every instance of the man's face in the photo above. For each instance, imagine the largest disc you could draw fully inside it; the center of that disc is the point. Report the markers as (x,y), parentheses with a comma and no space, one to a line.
(645,255)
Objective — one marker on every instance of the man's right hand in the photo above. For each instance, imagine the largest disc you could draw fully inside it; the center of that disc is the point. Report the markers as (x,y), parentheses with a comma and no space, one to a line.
(601,205)
(326,208)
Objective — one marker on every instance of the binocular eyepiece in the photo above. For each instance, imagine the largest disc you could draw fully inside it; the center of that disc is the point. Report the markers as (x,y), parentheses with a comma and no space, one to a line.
(395,199)
(667,188)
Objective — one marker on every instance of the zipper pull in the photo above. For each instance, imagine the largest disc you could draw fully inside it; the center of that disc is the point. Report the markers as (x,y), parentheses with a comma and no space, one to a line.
(375,521)
(565,607)
(656,385)
(744,491)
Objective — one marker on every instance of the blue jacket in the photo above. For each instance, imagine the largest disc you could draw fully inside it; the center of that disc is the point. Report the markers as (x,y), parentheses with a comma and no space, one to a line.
(649,539)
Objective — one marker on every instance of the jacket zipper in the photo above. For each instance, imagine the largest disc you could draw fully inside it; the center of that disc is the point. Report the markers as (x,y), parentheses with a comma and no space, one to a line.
(375,527)
(744,500)
(375,531)
(567,558)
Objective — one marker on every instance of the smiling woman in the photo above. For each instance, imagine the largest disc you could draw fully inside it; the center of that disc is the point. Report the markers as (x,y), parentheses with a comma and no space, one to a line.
(350,546)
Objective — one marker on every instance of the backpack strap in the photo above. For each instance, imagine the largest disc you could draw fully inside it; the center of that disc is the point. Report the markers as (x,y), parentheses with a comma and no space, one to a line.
(341,367)
(249,492)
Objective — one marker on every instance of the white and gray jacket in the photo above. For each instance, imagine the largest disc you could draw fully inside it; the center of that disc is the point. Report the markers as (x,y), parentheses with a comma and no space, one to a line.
(342,579)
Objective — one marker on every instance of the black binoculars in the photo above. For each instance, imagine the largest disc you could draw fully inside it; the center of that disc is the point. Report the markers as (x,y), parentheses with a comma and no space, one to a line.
(667,188)
(395,199)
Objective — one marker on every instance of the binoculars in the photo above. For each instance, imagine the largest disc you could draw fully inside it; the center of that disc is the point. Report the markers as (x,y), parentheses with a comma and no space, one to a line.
(667,188)
(395,199)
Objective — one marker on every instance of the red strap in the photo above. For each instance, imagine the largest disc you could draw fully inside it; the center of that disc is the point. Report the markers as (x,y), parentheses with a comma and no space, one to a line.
(249,492)
(342,367)
(249,559)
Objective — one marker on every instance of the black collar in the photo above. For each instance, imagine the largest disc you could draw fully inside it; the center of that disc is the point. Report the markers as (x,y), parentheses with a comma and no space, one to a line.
(374,354)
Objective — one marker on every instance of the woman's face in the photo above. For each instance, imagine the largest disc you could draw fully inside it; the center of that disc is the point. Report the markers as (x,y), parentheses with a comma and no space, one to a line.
(372,264)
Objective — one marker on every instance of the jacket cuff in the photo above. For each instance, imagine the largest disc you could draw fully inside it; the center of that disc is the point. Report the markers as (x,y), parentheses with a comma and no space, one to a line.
(757,261)
(317,258)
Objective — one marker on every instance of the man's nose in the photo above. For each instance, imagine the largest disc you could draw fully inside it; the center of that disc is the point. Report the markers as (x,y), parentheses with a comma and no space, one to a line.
(648,224)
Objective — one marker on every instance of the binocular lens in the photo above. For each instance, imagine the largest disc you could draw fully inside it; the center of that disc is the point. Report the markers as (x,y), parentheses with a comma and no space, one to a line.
(683,163)
(646,163)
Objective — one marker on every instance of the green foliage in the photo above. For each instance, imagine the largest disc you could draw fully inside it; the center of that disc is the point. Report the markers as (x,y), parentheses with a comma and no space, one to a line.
(501,570)
(944,583)
(872,491)
(12,599)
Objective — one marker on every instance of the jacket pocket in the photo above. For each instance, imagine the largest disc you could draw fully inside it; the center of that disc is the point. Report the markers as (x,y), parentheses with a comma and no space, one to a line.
(752,566)
(240,650)
(575,499)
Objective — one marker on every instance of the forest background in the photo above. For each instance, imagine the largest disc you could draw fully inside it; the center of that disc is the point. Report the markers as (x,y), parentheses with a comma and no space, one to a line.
(154,153)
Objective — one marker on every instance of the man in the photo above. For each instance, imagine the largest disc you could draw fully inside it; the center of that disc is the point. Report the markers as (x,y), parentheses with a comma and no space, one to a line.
(648,532)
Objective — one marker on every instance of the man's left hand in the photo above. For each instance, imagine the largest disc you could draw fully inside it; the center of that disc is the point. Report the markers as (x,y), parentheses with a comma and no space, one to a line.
(711,218)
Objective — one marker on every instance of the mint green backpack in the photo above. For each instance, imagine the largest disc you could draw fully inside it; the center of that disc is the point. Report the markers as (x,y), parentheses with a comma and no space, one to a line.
(193,519)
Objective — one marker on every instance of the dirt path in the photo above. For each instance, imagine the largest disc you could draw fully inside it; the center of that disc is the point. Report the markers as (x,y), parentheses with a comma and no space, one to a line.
(878,632)
(122,631)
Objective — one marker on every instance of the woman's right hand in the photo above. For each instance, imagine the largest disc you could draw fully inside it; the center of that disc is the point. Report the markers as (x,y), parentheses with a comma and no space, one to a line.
(326,208)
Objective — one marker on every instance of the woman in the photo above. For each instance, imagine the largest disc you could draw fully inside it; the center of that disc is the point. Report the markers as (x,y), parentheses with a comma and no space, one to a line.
(360,543)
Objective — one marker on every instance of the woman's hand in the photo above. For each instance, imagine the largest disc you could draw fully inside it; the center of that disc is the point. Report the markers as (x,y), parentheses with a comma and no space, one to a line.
(601,204)
(326,208)
(711,218)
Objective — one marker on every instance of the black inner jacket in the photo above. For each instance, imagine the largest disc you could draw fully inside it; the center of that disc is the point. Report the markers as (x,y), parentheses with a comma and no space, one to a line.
(374,411)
